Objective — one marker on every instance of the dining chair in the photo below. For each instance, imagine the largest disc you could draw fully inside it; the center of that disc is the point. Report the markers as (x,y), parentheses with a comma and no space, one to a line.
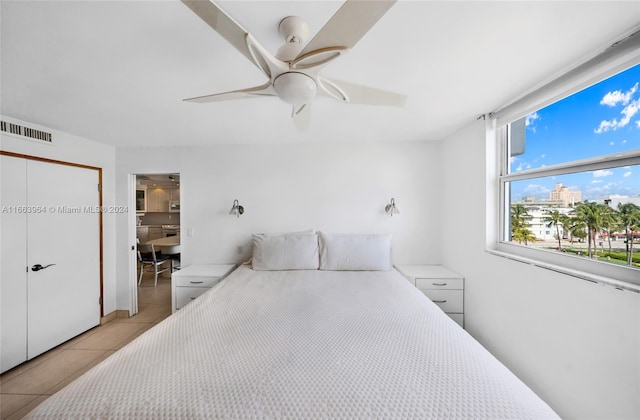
(150,262)
(173,252)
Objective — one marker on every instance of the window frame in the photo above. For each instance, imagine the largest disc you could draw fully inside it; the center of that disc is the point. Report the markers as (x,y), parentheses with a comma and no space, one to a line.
(622,277)
(616,57)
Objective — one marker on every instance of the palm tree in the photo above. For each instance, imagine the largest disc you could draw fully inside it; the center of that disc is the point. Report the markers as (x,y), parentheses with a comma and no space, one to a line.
(629,215)
(523,235)
(520,224)
(590,213)
(555,218)
(609,222)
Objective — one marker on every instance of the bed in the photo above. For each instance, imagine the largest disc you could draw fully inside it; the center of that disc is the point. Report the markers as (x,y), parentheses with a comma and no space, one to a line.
(302,343)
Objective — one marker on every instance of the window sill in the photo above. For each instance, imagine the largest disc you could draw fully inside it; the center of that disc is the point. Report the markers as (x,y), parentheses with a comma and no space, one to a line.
(584,275)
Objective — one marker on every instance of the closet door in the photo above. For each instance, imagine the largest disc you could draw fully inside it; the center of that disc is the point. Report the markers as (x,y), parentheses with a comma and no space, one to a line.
(13,262)
(50,215)
(63,299)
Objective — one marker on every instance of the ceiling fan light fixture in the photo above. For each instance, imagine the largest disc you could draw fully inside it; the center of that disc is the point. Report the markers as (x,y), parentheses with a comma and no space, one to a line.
(295,88)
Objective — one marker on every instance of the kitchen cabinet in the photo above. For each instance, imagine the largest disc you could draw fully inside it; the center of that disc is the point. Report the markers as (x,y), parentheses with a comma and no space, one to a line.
(149,233)
(174,204)
(141,200)
(142,233)
(155,233)
(158,199)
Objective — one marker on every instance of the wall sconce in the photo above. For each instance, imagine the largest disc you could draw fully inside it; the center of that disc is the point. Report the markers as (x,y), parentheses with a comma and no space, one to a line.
(391,208)
(237,209)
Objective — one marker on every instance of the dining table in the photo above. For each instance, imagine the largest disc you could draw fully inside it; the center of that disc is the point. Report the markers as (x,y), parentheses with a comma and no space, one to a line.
(169,245)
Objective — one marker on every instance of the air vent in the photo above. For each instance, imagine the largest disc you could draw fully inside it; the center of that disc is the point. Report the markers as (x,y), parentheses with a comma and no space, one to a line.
(29,133)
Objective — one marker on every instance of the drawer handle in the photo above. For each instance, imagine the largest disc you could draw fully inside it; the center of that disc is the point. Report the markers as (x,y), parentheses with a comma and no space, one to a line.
(439,284)
(439,301)
(193,298)
(196,282)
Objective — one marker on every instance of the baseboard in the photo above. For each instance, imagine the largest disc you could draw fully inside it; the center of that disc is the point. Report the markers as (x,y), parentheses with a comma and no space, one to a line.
(113,315)
(122,313)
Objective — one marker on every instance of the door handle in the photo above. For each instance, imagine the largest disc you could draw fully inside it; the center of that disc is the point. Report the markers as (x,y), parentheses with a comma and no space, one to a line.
(38,267)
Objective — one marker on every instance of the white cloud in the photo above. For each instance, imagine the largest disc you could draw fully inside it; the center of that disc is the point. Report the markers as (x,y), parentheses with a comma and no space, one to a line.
(616,97)
(602,172)
(523,166)
(627,174)
(631,108)
(597,181)
(611,143)
(627,113)
(536,190)
(606,126)
(531,118)
(529,121)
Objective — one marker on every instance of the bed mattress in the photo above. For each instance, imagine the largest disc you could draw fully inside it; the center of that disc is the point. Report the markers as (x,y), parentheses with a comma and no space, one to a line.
(301,344)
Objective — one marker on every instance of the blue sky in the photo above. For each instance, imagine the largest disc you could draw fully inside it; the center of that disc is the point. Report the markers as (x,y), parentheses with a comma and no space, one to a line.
(600,120)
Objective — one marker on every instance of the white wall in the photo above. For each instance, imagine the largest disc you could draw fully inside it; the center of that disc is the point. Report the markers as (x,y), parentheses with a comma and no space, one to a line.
(73,149)
(336,187)
(575,343)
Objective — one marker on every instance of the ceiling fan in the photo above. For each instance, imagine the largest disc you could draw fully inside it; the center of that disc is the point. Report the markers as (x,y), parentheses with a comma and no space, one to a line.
(293,72)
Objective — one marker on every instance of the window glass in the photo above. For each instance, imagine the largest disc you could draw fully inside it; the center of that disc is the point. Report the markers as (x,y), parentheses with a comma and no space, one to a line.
(600,120)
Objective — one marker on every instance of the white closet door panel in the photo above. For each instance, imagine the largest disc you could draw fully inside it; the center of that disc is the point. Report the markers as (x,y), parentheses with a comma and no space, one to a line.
(63,298)
(13,262)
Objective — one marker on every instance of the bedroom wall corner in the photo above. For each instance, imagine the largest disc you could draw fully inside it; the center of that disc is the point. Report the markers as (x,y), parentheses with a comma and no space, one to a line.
(575,343)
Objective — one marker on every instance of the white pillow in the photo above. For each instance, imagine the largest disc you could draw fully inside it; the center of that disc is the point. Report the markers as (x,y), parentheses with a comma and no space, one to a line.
(355,252)
(297,251)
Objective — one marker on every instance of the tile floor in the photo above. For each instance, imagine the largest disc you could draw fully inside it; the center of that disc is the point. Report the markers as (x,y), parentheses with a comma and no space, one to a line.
(27,385)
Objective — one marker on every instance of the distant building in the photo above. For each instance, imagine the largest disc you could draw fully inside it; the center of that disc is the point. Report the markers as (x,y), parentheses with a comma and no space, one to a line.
(614,200)
(565,195)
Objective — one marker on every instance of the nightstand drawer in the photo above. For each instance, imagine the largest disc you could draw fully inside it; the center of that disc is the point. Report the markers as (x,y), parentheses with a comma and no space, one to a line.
(194,281)
(185,295)
(426,283)
(459,318)
(447,300)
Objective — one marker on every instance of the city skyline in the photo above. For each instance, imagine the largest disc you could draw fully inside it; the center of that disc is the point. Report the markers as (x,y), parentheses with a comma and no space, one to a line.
(601,120)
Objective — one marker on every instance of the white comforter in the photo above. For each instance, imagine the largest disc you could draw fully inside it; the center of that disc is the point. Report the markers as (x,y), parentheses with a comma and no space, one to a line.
(301,344)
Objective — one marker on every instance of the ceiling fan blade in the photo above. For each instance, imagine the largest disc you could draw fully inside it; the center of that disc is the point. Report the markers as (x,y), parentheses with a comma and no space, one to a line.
(354,93)
(348,25)
(222,23)
(253,92)
(301,117)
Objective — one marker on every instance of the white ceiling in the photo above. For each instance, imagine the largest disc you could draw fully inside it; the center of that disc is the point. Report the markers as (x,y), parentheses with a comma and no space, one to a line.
(116,71)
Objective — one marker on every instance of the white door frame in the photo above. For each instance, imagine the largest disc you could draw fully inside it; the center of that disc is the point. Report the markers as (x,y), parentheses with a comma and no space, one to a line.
(133,256)
(133,235)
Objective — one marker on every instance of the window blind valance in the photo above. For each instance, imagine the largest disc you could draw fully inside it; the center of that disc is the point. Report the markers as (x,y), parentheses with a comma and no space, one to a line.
(617,57)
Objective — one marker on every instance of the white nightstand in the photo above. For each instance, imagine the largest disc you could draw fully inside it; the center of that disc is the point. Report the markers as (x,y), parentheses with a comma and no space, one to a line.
(192,281)
(443,286)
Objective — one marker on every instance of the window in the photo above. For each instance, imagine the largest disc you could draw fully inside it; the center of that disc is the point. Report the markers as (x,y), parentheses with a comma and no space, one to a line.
(570,182)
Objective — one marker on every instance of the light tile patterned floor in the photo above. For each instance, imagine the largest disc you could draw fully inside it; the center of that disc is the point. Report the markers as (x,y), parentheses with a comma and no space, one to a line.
(27,385)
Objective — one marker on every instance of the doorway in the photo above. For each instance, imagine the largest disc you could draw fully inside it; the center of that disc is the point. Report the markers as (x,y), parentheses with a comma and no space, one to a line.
(157,222)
